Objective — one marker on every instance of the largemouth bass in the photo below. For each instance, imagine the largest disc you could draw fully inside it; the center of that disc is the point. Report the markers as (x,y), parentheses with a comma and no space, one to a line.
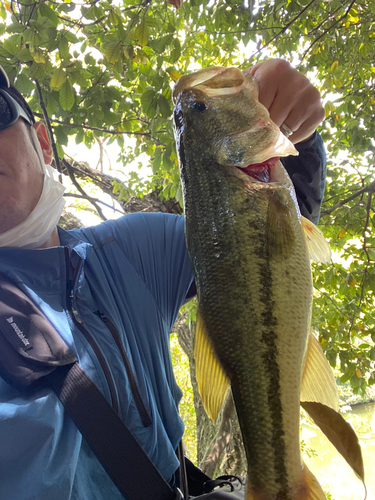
(251,264)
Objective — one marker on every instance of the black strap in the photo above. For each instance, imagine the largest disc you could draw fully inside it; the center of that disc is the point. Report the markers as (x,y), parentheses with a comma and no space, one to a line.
(117,450)
(196,478)
(183,480)
(115,447)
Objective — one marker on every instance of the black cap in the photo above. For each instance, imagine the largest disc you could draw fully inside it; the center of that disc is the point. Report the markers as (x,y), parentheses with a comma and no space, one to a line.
(13,92)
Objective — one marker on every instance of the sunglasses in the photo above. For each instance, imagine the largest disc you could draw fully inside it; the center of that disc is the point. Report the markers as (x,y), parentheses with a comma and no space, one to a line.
(10,111)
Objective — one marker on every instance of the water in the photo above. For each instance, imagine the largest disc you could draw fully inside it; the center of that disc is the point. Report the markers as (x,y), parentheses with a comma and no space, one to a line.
(332,471)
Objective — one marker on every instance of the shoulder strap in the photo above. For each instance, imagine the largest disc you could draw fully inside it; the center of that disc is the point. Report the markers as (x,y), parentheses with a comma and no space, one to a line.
(30,348)
(113,444)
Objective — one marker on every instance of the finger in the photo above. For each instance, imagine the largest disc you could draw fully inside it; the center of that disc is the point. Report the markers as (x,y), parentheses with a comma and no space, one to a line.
(304,120)
(267,84)
(294,102)
(305,130)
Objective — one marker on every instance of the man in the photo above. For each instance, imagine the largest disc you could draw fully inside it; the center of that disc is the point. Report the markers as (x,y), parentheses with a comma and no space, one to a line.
(133,271)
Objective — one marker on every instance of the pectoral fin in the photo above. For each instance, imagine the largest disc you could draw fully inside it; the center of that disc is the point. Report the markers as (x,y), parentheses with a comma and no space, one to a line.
(213,384)
(318,382)
(280,236)
(317,245)
(340,433)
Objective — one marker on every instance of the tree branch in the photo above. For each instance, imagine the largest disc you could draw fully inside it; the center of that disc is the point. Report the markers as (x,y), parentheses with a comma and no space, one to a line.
(81,25)
(73,179)
(279,33)
(91,199)
(324,21)
(238,31)
(327,296)
(364,248)
(370,188)
(49,129)
(183,333)
(327,30)
(150,202)
(221,439)
(96,129)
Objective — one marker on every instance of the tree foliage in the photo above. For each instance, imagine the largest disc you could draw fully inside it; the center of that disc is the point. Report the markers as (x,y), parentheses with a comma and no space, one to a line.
(104,69)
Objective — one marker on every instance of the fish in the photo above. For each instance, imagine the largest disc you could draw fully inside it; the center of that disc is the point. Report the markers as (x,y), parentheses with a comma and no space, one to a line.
(250,252)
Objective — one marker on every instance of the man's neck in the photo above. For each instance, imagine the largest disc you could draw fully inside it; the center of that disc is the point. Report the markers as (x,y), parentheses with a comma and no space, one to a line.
(53,240)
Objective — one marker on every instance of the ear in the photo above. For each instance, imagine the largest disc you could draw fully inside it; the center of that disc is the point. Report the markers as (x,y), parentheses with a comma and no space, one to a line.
(42,135)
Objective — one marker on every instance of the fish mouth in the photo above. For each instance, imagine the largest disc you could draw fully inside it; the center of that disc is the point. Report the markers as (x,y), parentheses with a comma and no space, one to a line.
(261,172)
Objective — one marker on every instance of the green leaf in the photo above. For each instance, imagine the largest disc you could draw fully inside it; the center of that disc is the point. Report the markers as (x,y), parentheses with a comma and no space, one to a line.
(113,52)
(159,45)
(148,100)
(112,18)
(58,78)
(24,84)
(176,51)
(66,96)
(79,136)
(148,51)
(164,107)
(345,378)
(51,103)
(142,33)
(116,187)
(3,15)
(10,46)
(60,134)
(63,47)
(157,160)
(71,37)
(39,57)
(24,55)
(151,22)
(66,7)
(60,150)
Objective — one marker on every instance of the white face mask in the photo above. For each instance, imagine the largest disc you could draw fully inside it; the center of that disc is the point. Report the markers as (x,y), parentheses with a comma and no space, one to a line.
(39,225)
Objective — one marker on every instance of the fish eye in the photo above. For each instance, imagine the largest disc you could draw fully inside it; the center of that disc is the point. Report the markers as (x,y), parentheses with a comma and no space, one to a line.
(199,106)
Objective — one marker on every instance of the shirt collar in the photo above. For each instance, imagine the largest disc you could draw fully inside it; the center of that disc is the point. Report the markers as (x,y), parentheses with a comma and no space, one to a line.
(44,269)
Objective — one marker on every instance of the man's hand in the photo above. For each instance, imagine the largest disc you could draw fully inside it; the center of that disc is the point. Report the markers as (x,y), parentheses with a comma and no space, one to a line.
(289,96)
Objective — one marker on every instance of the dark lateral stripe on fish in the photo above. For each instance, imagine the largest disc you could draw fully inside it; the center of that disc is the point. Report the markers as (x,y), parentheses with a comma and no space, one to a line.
(270,358)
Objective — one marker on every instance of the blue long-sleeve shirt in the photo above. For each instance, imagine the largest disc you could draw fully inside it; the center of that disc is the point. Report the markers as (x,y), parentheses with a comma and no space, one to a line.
(136,271)
(308,173)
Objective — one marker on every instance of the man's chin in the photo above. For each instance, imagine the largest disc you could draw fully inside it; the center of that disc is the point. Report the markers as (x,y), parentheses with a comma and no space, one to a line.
(9,219)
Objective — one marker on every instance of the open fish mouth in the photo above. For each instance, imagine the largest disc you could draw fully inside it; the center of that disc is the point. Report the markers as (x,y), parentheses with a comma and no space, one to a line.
(261,172)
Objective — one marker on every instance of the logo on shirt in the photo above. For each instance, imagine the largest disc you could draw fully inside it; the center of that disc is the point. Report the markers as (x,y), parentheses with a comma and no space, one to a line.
(25,341)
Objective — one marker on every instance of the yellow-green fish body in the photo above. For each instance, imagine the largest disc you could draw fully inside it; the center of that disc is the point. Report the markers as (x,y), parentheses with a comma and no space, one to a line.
(252,272)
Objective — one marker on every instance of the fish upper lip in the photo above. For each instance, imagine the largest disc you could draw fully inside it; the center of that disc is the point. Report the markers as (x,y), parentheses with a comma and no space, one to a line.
(250,130)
